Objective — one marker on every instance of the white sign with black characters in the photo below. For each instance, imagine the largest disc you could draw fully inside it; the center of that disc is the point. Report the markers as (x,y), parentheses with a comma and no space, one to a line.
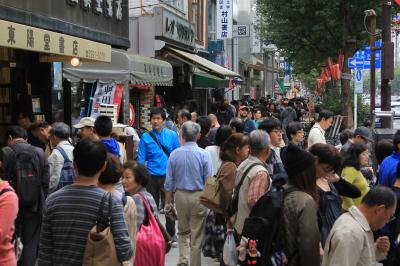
(224,19)
(240,31)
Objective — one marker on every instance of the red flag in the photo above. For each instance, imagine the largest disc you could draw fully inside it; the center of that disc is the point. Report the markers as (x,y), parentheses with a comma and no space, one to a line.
(329,64)
(336,72)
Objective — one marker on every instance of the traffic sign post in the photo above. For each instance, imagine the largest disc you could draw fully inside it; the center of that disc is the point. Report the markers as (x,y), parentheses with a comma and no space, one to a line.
(362,58)
(358,88)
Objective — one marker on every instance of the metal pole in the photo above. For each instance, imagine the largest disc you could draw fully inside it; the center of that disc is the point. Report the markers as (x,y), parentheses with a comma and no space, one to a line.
(372,75)
(385,73)
(355,109)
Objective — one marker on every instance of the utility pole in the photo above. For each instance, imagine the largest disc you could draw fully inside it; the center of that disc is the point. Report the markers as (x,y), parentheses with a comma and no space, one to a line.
(387,72)
(372,14)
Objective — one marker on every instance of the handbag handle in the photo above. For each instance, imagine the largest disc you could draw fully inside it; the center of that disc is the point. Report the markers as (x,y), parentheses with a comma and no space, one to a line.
(101,221)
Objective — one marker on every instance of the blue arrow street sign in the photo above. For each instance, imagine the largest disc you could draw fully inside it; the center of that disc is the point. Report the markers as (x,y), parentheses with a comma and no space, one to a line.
(351,63)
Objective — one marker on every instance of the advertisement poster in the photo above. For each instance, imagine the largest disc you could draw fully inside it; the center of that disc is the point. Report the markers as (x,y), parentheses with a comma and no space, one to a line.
(110,93)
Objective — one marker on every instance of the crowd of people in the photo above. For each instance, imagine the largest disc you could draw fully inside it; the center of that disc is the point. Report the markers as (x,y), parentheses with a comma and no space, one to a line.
(58,197)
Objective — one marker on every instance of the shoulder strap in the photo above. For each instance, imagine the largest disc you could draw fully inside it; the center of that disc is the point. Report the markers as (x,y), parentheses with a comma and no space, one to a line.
(146,203)
(159,143)
(64,154)
(245,174)
(5,190)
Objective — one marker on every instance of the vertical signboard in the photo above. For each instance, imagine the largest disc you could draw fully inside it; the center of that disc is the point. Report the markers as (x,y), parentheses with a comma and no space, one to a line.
(224,19)
(255,38)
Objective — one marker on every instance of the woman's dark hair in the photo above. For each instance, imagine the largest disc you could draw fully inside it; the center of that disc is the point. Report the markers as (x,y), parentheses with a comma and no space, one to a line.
(228,148)
(306,181)
(185,113)
(205,124)
(345,136)
(326,154)
(113,171)
(351,157)
(158,111)
(89,156)
(142,175)
(292,129)
(1,164)
(396,140)
(383,149)
(270,124)
(238,124)
(222,134)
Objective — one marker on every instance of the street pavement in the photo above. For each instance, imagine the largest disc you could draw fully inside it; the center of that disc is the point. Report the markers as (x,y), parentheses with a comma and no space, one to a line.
(171,259)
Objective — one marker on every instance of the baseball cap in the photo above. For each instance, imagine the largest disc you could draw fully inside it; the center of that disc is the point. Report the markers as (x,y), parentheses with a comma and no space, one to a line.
(85,122)
(363,132)
(244,107)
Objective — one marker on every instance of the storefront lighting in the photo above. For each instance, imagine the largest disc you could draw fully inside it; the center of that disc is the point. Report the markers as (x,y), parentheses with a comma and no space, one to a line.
(75,61)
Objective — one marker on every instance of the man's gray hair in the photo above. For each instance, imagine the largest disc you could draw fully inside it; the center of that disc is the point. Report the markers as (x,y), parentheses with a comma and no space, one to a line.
(190,131)
(60,130)
(258,141)
(212,117)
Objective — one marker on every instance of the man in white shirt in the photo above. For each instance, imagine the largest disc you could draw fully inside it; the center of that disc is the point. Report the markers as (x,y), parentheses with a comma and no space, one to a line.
(351,240)
(317,132)
(59,137)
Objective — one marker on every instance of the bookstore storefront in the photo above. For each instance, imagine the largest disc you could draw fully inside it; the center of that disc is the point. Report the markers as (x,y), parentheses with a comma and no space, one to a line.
(38,38)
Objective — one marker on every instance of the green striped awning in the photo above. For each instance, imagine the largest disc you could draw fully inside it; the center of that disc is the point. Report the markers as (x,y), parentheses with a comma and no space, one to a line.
(206,80)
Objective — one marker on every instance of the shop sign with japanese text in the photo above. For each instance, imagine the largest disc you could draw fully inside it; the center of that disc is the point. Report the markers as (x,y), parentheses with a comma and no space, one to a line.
(224,19)
(20,36)
(105,21)
(173,27)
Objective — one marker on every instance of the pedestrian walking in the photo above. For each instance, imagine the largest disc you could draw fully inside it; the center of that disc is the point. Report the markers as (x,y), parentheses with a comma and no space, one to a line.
(248,123)
(237,125)
(361,136)
(103,127)
(155,148)
(351,240)
(9,211)
(187,170)
(387,169)
(61,173)
(301,231)
(222,135)
(205,125)
(330,187)
(72,211)
(253,176)
(29,165)
(214,127)
(86,128)
(356,157)
(108,181)
(317,132)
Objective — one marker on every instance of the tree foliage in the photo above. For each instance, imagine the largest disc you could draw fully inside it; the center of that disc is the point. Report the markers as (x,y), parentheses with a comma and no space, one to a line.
(309,31)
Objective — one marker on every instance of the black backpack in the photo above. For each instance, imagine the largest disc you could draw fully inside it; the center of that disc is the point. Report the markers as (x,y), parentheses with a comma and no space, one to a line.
(265,225)
(24,175)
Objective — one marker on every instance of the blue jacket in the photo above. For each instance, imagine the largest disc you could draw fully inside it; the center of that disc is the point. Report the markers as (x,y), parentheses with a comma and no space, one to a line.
(152,154)
(388,169)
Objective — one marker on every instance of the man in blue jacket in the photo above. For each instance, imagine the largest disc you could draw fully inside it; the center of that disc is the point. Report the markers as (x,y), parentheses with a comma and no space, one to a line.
(154,149)
(388,168)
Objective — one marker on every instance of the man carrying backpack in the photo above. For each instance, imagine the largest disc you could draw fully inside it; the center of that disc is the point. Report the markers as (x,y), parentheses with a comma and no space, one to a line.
(60,160)
(27,170)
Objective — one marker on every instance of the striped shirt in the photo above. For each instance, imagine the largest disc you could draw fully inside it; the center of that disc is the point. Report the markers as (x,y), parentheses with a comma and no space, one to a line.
(69,215)
(141,213)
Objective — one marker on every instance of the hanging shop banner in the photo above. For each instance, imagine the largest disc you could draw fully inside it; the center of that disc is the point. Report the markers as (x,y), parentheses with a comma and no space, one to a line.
(24,37)
(224,19)
(106,94)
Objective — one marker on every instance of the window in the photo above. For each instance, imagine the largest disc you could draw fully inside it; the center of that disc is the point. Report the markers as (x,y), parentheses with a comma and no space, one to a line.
(196,16)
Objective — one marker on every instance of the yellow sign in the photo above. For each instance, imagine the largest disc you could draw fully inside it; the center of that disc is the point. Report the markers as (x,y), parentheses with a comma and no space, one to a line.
(20,36)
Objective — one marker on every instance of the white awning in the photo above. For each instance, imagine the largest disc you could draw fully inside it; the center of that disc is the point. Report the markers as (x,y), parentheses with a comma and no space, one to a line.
(203,63)
(124,67)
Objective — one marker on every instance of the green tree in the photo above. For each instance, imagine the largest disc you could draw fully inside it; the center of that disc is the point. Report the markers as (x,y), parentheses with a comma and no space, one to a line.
(309,31)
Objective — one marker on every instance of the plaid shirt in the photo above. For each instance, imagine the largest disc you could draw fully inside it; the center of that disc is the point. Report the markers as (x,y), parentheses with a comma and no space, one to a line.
(258,187)
(141,213)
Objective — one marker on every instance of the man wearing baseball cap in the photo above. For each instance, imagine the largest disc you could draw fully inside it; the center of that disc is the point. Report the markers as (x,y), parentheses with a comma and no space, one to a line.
(248,123)
(361,135)
(86,128)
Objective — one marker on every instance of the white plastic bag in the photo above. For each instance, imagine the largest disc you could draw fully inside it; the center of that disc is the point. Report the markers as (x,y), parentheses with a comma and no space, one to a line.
(230,254)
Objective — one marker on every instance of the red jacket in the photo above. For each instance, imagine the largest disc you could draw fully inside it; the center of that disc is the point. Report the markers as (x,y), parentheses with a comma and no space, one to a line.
(8,211)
